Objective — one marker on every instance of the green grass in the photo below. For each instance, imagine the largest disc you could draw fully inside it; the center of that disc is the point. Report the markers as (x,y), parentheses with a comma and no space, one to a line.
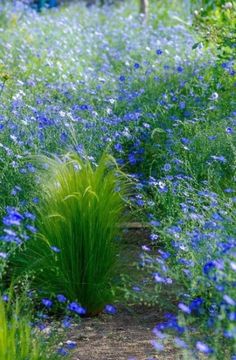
(17,341)
(80,215)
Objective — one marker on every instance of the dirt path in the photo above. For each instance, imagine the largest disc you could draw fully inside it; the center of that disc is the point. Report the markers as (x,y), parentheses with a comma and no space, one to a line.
(127,334)
(124,336)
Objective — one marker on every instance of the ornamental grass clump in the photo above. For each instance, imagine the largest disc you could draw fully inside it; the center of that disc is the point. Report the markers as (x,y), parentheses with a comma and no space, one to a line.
(75,250)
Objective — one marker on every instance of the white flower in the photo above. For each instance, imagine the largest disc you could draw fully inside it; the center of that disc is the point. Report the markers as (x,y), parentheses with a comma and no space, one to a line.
(214,96)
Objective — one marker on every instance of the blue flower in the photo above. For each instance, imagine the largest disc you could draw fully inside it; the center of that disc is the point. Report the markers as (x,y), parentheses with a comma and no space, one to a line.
(5,298)
(47,302)
(13,217)
(157,346)
(55,249)
(75,307)
(61,298)
(63,352)
(110,309)
(186,309)
(71,344)
(204,348)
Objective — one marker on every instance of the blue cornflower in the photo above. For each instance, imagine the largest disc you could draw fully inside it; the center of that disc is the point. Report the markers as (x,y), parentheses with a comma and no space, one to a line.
(229,130)
(118,147)
(47,302)
(110,309)
(55,249)
(31,228)
(159,52)
(63,352)
(61,298)
(5,298)
(71,344)
(186,309)
(66,323)
(208,267)
(229,300)
(13,217)
(136,66)
(220,158)
(180,69)
(204,348)
(181,343)
(167,167)
(132,159)
(157,346)
(75,307)
(196,304)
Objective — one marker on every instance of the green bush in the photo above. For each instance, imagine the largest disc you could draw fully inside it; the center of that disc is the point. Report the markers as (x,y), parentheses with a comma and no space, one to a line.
(74,251)
(216,24)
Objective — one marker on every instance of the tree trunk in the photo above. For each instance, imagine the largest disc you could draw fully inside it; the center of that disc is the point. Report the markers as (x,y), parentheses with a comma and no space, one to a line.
(144,9)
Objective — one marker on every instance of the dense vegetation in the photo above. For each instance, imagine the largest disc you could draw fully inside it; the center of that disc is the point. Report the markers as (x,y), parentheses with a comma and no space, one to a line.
(105,118)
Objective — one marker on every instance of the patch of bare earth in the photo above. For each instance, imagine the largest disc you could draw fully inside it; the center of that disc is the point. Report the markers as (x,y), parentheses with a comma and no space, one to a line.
(123,336)
(126,335)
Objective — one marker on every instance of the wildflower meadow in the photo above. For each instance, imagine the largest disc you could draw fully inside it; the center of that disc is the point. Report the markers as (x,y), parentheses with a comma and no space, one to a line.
(118,180)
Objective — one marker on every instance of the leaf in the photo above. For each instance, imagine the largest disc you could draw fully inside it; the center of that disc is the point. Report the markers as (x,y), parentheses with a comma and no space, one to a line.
(157,131)
(195,46)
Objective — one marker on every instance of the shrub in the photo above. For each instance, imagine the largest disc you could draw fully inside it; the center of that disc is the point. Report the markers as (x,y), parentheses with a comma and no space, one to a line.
(74,251)
(215,23)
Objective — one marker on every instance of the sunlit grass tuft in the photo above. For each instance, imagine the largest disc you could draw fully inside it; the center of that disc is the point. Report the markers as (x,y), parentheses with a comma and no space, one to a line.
(17,341)
(75,250)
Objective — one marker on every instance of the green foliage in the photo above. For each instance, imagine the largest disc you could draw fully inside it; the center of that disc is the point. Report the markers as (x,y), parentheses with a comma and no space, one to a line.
(17,341)
(75,252)
(216,25)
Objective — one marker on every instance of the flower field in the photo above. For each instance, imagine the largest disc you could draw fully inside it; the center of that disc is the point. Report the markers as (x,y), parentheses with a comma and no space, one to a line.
(118,178)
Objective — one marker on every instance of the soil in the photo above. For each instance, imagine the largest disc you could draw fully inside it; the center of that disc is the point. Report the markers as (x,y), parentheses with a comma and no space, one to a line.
(126,335)
(123,336)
